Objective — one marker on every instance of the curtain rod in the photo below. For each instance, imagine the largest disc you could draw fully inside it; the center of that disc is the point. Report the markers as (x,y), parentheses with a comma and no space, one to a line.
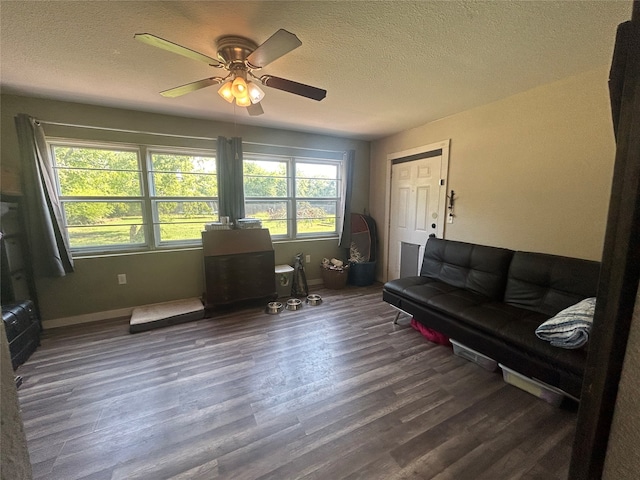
(141,132)
(122,130)
(292,147)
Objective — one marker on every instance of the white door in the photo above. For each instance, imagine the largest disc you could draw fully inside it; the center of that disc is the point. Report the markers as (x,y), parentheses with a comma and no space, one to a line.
(414,211)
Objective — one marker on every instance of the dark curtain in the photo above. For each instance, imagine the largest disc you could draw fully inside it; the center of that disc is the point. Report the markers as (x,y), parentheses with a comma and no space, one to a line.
(48,239)
(230,183)
(344,227)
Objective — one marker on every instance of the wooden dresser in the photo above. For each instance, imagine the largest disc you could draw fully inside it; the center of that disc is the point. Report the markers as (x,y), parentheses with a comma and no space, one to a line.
(239,267)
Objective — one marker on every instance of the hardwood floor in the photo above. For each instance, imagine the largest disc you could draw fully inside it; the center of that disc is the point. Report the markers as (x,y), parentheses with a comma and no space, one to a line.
(335,391)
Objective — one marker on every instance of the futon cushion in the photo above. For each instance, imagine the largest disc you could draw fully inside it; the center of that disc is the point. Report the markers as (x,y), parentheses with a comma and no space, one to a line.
(549,283)
(401,285)
(456,302)
(493,317)
(522,334)
(476,268)
(516,326)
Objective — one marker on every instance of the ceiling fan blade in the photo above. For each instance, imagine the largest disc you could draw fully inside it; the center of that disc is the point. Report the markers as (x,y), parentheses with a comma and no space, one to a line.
(277,45)
(255,109)
(293,87)
(191,87)
(154,41)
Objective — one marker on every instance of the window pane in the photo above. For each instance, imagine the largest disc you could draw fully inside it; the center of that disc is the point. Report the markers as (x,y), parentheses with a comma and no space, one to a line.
(94,224)
(187,212)
(316,170)
(94,172)
(273,215)
(316,180)
(316,216)
(184,175)
(184,220)
(174,232)
(311,188)
(171,162)
(94,158)
(106,236)
(98,183)
(265,178)
(185,185)
(265,187)
(265,167)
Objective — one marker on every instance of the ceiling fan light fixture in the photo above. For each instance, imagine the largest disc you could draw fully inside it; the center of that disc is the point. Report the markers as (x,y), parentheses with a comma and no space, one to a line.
(239,87)
(226,92)
(256,94)
(243,100)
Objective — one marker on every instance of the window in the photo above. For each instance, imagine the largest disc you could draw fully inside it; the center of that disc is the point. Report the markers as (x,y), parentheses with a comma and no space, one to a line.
(117,198)
(121,197)
(293,197)
(184,195)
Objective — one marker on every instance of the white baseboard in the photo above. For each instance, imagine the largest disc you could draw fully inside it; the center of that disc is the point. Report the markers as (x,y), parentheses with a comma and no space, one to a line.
(109,314)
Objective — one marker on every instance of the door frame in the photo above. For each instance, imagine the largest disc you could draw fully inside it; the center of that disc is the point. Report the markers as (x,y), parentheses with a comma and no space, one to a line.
(617,305)
(444,172)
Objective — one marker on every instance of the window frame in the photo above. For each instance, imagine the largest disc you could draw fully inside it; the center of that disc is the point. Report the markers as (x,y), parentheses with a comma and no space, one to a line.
(154,199)
(149,201)
(292,197)
(147,198)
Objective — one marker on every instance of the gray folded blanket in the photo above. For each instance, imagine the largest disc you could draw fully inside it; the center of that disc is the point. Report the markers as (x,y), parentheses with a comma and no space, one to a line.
(570,328)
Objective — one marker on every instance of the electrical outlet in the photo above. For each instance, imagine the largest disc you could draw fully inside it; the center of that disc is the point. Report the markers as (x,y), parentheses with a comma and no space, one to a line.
(450,218)
(122,279)
(308,259)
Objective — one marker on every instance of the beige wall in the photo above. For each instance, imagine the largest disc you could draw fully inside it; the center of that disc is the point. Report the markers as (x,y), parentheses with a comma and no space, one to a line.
(530,172)
(159,276)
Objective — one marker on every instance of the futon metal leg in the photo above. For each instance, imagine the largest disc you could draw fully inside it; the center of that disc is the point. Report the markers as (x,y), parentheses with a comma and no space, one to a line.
(400,312)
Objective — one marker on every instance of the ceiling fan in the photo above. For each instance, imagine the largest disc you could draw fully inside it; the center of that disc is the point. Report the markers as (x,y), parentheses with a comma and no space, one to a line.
(240,57)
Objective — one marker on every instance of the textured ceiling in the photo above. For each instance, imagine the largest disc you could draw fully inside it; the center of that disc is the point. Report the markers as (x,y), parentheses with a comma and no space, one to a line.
(387,65)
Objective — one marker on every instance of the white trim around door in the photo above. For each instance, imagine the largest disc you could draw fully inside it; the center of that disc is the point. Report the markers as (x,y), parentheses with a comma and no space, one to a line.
(444,170)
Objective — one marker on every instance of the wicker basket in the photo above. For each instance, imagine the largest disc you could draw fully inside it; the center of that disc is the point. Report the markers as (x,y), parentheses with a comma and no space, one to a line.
(335,279)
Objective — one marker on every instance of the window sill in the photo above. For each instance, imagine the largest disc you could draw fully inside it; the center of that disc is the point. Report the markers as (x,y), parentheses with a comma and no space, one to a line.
(131,253)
